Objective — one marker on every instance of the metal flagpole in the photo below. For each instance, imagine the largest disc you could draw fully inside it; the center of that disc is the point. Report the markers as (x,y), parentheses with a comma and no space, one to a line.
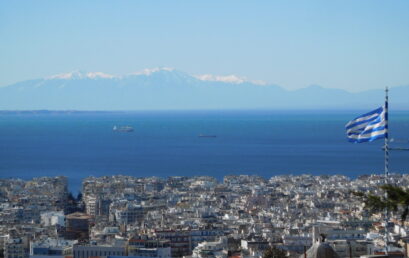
(386,167)
(386,137)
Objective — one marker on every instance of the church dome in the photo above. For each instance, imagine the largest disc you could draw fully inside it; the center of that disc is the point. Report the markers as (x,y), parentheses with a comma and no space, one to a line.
(320,250)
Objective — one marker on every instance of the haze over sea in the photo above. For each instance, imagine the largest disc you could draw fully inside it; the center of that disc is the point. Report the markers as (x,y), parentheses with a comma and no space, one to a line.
(264,143)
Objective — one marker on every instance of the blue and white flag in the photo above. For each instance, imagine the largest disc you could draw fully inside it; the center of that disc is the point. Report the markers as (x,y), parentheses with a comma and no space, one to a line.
(368,127)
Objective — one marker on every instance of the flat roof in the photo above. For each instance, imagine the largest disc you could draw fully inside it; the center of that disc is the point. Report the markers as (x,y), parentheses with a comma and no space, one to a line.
(78,215)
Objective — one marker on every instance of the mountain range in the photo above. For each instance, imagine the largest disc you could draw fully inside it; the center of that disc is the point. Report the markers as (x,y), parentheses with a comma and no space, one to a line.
(164,88)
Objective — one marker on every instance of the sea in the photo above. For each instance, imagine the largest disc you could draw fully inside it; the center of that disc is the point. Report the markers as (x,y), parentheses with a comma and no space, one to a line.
(167,143)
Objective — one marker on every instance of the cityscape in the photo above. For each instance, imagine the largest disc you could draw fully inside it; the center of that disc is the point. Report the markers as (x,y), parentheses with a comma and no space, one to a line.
(242,216)
(204,129)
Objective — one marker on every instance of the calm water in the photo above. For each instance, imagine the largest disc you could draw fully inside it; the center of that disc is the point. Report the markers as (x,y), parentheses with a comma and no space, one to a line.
(164,144)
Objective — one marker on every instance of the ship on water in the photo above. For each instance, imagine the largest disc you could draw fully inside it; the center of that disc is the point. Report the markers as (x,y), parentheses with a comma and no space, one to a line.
(126,129)
(207,136)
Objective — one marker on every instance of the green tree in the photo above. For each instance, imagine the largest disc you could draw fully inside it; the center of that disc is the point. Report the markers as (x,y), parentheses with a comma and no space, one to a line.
(79,197)
(70,198)
(397,199)
(274,252)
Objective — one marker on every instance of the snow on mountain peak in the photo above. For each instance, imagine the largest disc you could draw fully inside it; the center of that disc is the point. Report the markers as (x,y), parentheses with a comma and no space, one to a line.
(150,71)
(100,75)
(81,75)
(61,76)
(219,78)
(95,75)
(233,79)
(227,78)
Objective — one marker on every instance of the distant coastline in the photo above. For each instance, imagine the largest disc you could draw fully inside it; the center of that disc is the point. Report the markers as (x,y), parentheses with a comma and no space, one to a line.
(45,111)
(227,110)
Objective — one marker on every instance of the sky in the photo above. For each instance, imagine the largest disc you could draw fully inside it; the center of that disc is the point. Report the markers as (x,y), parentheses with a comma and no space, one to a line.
(351,45)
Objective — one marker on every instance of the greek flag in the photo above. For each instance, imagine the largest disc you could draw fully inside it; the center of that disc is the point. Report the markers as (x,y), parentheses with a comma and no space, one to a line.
(368,127)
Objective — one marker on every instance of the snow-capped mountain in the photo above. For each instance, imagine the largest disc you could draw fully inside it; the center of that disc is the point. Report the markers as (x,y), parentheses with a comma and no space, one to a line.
(166,88)
(81,75)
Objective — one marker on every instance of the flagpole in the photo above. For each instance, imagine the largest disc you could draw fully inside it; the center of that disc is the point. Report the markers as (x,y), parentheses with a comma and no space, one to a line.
(386,167)
(386,137)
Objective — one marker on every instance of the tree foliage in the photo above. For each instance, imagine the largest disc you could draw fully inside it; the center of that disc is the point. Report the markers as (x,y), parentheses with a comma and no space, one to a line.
(79,197)
(396,197)
(274,252)
(70,197)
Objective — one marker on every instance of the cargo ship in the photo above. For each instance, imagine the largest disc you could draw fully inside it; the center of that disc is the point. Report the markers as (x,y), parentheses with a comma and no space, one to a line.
(206,136)
(126,129)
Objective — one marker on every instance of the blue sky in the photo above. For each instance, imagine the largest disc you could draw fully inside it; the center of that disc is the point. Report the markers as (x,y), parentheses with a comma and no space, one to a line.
(352,45)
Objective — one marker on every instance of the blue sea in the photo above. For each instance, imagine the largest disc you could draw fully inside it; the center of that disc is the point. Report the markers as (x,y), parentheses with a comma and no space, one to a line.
(166,143)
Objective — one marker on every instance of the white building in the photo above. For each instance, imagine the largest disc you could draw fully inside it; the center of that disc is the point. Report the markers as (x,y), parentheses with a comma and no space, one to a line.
(132,213)
(52,218)
(91,205)
(216,249)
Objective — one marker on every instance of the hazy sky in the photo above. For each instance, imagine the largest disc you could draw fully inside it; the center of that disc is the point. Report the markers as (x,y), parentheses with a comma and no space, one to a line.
(353,45)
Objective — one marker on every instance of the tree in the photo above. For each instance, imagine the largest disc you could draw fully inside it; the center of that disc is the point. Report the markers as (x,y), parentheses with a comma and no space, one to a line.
(79,197)
(73,204)
(274,252)
(70,197)
(396,197)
